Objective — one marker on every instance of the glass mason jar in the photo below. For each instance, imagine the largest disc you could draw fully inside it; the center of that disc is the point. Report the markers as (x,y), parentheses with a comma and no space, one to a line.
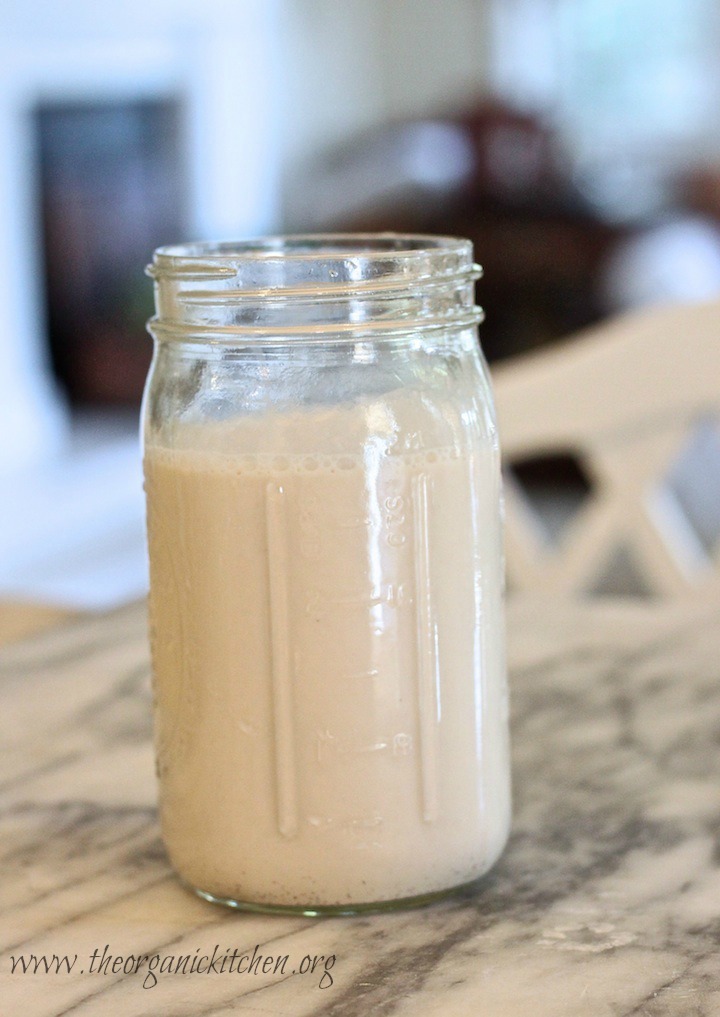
(326,605)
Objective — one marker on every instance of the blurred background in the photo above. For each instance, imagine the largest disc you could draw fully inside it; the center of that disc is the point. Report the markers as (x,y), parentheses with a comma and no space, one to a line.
(576,142)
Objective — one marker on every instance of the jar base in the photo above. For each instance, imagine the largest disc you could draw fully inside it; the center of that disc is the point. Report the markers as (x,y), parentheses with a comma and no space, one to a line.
(334,910)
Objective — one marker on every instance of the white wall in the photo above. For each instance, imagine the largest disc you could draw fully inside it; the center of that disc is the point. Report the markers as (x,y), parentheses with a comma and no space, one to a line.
(222,58)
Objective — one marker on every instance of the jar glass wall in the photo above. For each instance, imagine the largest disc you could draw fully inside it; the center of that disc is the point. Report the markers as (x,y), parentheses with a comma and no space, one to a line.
(322,476)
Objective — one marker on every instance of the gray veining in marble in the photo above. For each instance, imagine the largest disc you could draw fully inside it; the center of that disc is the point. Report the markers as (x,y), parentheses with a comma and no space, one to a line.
(606,902)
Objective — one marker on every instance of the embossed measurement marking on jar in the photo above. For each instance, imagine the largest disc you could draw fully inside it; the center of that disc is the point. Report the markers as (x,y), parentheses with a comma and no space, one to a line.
(395,521)
(301,666)
(354,523)
(282,697)
(329,745)
(372,672)
(428,678)
(311,538)
(318,602)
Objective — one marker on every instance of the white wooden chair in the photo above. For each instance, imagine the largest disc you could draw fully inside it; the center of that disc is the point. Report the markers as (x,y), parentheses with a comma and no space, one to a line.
(636,403)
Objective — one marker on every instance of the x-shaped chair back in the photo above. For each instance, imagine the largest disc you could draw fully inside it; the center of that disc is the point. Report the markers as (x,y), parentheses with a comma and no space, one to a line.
(635,405)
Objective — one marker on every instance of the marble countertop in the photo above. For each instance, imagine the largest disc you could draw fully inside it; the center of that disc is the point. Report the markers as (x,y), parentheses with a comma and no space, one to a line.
(606,902)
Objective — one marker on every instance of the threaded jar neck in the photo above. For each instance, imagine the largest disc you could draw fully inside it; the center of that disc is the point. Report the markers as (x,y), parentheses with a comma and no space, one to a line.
(314,288)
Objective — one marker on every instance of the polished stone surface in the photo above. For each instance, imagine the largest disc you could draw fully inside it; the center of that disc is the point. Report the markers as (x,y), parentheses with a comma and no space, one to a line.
(606,902)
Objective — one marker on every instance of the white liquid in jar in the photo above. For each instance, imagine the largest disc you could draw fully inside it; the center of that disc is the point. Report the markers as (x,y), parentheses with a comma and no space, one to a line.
(328,657)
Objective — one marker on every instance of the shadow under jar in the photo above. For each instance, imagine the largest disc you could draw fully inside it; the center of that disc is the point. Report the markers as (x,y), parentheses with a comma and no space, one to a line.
(324,520)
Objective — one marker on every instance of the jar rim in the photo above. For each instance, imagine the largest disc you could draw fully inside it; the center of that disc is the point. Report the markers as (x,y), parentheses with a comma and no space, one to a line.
(309,246)
(341,284)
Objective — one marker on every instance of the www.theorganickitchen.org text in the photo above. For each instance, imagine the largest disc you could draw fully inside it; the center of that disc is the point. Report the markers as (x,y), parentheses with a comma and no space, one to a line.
(151,966)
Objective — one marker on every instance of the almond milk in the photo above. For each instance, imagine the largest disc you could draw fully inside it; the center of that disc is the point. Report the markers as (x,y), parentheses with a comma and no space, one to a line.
(327,632)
